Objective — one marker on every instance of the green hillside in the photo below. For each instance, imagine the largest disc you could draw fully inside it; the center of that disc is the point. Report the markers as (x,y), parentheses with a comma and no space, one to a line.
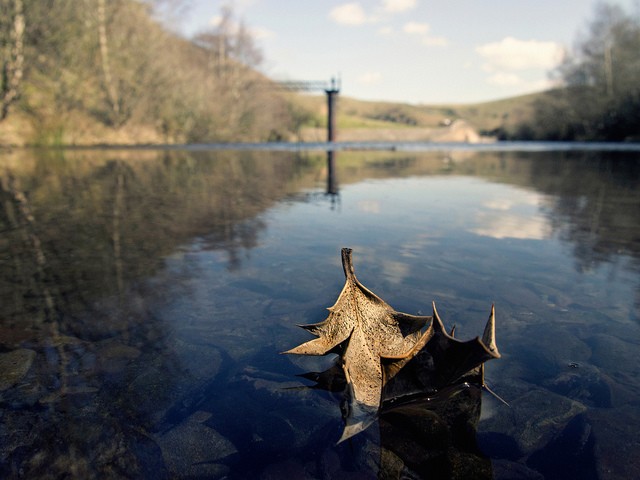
(486,116)
(506,113)
(359,119)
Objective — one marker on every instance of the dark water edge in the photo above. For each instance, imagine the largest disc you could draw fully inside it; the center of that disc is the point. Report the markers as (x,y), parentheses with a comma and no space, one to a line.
(498,146)
(146,295)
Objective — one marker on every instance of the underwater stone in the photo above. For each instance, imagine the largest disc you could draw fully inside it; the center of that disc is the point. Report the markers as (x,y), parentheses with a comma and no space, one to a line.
(14,366)
(583,383)
(617,447)
(192,449)
(506,470)
(534,419)
(613,354)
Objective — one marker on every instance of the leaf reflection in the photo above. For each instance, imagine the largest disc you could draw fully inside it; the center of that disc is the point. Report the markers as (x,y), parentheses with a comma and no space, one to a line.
(425,435)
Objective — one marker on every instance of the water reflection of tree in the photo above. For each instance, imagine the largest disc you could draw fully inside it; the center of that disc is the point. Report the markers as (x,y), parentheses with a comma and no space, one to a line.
(81,227)
(28,266)
(595,204)
(77,236)
(102,220)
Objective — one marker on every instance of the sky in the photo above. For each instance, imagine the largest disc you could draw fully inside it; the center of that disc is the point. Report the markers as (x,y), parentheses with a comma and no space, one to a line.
(413,51)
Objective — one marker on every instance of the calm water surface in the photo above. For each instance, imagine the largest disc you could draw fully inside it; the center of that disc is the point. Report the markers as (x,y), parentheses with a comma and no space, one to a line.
(145,297)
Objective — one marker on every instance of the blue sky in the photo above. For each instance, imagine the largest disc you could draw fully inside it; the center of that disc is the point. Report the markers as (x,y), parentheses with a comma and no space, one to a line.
(415,51)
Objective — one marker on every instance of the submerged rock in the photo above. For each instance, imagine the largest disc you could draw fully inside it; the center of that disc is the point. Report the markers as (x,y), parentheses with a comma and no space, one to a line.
(193,449)
(584,383)
(613,354)
(91,446)
(114,356)
(534,419)
(506,470)
(289,468)
(569,454)
(617,445)
(14,366)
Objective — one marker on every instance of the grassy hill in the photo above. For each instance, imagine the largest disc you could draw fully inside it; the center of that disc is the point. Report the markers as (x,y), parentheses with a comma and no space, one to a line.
(369,120)
(357,120)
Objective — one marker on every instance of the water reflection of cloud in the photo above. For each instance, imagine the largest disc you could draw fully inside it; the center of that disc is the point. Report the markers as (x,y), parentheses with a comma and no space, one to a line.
(395,272)
(415,246)
(498,204)
(369,206)
(512,226)
(512,202)
(512,217)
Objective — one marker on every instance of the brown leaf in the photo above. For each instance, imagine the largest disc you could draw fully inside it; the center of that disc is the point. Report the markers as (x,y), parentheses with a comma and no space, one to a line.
(369,329)
(438,360)
(383,355)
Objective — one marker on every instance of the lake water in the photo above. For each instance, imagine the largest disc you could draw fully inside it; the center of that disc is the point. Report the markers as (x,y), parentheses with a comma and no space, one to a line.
(145,296)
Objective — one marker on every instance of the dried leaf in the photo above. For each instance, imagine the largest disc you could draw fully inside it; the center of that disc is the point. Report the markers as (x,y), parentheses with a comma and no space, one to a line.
(369,329)
(439,360)
(384,356)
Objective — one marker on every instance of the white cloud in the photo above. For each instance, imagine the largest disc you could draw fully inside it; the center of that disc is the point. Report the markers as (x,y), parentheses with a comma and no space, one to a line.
(353,13)
(233,26)
(435,41)
(215,21)
(415,28)
(349,14)
(261,33)
(421,30)
(385,31)
(545,84)
(513,54)
(243,5)
(505,79)
(395,6)
(370,78)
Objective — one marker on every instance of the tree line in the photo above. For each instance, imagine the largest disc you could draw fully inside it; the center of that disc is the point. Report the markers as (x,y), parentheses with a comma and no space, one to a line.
(600,94)
(118,65)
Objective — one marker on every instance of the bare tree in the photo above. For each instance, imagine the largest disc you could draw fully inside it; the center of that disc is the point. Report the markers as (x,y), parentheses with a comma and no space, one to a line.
(109,86)
(13,61)
(600,99)
(114,62)
(233,58)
